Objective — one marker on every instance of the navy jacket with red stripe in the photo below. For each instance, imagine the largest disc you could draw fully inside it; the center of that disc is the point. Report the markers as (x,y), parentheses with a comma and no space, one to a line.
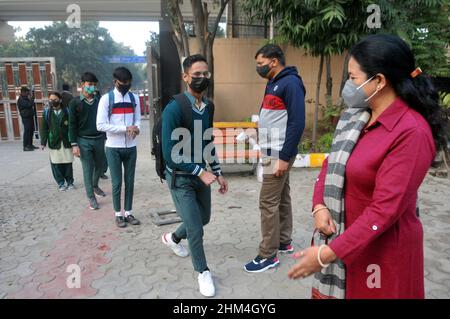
(282,115)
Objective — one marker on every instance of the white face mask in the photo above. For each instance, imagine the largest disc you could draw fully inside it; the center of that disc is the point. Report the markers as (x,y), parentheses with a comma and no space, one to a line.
(354,96)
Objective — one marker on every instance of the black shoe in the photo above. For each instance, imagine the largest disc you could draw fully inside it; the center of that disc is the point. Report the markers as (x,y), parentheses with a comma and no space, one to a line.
(93,203)
(132,220)
(120,221)
(104,176)
(28,149)
(99,192)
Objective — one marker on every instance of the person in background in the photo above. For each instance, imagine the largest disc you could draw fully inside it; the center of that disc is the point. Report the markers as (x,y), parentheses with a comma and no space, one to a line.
(54,131)
(25,104)
(87,142)
(365,198)
(66,95)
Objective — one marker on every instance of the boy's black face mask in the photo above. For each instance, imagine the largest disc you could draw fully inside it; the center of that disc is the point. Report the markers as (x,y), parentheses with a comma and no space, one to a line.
(123,88)
(200,84)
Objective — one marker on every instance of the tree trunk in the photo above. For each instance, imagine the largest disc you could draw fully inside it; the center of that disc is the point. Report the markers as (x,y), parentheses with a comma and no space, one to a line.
(211,36)
(210,59)
(329,80)
(180,36)
(198,11)
(316,109)
(204,38)
(344,78)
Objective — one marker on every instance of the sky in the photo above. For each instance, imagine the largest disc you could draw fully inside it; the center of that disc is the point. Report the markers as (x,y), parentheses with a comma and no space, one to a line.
(119,30)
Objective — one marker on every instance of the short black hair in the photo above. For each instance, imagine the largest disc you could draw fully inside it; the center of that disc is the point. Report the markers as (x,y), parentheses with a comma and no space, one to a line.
(272,51)
(89,77)
(54,93)
(190,60)
(122,74)
(24,89)
(66,87)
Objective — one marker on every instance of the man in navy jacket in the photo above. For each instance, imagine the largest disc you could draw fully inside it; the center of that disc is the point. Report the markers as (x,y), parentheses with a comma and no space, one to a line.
(281,124)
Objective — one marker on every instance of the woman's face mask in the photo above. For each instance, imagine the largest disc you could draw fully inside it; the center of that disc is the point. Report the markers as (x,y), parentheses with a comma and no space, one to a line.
(54,103)
(354,96)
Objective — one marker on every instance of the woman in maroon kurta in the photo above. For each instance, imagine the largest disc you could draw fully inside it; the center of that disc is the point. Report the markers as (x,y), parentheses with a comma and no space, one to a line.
(382,245)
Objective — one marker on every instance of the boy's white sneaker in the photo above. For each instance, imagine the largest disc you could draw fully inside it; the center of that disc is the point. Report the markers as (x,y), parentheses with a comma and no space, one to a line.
(178,249)
(206,284)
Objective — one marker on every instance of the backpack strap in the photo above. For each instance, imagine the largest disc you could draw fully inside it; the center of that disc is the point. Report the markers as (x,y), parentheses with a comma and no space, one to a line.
(110,103)
(186,108)
(133,102)
(47,116)
(211,109)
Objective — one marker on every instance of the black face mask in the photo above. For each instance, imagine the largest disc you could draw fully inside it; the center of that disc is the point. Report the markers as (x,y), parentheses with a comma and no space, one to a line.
(123,88)
(54,104)
(198,85)
(263,70)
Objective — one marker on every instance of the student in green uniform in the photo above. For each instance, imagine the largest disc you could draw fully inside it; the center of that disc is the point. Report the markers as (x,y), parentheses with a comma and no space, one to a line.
(55,132)
(186,172)
(87,143)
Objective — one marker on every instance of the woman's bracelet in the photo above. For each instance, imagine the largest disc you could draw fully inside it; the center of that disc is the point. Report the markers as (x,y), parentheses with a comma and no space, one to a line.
(318,257)
(317,209)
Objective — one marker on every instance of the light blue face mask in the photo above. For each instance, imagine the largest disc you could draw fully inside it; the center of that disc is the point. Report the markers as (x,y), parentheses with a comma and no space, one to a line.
(89,89)
(354,96)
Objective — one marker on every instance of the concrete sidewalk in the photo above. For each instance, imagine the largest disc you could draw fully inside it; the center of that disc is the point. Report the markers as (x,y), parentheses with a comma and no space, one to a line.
(43,231)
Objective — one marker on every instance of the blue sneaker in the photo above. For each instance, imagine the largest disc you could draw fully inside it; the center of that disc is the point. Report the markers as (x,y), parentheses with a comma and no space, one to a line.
(261,264)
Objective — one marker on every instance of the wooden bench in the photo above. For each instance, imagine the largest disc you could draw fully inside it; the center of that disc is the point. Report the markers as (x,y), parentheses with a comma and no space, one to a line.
(229,150)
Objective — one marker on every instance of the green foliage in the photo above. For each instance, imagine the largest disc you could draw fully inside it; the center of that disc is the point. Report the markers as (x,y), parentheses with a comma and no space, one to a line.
(76,50)
(153,41)
(333,26)
(445,99)
(324,143)
(305,146)
(320,27)
(425,26)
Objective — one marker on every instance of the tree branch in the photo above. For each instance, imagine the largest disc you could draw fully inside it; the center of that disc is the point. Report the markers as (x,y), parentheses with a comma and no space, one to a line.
(199,20)
(223,5)
(182,36)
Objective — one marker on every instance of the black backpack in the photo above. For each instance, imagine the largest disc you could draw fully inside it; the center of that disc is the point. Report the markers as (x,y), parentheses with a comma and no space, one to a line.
(186,108)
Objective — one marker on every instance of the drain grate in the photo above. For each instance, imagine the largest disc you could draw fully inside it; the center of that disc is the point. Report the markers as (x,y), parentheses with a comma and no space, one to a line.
(165,217)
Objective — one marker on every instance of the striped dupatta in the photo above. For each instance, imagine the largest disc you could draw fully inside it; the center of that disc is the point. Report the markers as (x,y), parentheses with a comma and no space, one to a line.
(330,281)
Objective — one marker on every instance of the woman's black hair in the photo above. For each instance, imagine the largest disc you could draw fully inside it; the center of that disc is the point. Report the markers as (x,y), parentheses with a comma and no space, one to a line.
(392,57)
(54,93)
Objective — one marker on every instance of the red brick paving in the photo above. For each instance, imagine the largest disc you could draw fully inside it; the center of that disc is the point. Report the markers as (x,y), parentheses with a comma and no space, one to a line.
(85,242)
